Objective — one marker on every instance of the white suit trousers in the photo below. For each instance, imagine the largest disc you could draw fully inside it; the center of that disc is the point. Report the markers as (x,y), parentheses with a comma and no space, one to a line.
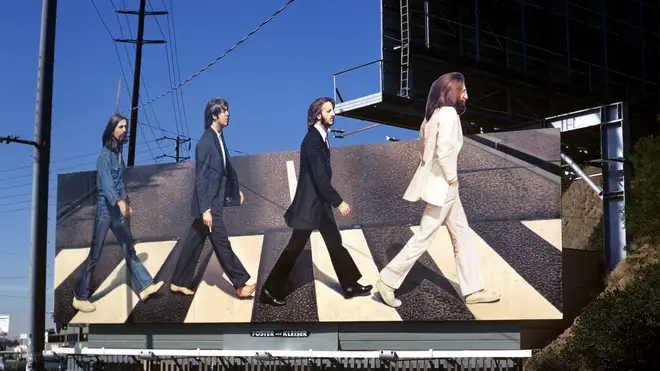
(452,215)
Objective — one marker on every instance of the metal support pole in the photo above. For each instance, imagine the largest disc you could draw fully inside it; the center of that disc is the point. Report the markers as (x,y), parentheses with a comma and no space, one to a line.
(340,136)
(642,39)
(605,67)
(476,25)
(136,85)
(176,149)
(39,241)
(427,27)
(118,95)
(616,179)
(524,35)
(568,38)
(582,174)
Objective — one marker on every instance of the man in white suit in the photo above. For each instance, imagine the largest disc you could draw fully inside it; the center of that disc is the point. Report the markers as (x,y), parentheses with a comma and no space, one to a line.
(436,183)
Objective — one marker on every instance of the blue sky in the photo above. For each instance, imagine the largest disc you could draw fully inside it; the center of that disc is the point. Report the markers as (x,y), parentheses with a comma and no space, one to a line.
(269,81)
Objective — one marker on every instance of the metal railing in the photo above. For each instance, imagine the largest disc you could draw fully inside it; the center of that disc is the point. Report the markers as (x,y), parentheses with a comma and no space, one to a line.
(334,77)
(287,360)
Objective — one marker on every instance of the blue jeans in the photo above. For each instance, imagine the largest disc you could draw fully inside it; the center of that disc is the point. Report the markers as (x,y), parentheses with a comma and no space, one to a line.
(109,217)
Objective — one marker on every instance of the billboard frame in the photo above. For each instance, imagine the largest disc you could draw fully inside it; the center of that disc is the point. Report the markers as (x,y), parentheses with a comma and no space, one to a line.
(613,123)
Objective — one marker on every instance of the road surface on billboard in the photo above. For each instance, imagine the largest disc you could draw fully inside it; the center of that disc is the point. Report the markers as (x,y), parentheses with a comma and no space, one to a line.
(512,206)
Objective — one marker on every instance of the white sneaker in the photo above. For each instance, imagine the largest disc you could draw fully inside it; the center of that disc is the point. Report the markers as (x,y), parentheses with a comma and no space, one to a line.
(84,306)
(482,296)
(387,294)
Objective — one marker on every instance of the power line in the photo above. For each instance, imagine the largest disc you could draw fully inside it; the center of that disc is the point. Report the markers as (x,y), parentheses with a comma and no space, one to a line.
(176,70)
(121,67)
(143,80)
(53,172)
(214,61)
(77,157)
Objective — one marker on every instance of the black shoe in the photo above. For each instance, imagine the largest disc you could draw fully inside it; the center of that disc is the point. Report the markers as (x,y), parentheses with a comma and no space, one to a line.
(268,298)
(357,290)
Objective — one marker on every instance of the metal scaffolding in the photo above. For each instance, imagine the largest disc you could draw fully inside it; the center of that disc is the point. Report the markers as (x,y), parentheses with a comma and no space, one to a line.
(524,60)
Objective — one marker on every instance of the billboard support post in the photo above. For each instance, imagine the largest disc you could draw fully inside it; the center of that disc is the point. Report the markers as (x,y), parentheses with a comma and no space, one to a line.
(614,148)
(40,186)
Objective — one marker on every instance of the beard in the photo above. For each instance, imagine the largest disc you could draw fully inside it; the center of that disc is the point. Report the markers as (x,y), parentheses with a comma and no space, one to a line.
(326,123)
(461,107)
(122,139)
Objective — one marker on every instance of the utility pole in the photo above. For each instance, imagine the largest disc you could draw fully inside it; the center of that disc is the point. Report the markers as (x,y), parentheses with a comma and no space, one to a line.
(178,141)
(118,95)
(37,309)
(136,76)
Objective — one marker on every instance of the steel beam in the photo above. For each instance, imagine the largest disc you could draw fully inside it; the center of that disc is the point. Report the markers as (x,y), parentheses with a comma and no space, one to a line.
(568,38)
(614,139)
(614,148)
(476,25)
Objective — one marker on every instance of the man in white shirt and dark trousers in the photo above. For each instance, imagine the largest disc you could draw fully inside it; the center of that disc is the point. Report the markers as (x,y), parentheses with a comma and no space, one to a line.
(216,187)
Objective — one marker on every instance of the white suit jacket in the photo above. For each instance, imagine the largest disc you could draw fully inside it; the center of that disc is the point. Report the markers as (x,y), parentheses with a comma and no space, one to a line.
(440,141)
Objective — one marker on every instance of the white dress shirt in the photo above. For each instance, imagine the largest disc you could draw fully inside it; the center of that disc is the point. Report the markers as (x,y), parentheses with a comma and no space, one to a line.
(324,134)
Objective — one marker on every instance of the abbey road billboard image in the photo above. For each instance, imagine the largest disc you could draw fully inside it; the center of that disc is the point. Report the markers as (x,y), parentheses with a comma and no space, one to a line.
(145,252)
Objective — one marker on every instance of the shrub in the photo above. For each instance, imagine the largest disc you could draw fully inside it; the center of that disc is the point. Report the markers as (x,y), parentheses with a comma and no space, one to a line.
(620,330)
(643,207)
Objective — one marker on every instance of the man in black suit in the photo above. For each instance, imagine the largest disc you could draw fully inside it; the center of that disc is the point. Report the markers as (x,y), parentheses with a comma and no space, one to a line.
(216,187)
(311,209)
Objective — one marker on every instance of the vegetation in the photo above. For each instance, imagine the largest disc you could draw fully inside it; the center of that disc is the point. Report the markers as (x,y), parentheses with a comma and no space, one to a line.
(620,330)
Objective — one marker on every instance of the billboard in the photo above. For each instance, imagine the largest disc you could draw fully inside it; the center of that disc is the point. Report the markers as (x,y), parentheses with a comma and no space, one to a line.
(4,324)
(512,208)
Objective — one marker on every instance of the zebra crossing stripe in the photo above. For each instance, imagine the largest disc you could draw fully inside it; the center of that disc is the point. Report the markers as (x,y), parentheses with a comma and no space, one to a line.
(114,298)
(519,299)
(291,177)
(66,262)
(549,230)
(215,299)
(331,304)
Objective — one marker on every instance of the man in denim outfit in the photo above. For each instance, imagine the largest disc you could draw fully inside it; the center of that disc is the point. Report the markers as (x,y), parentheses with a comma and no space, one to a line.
(111,211)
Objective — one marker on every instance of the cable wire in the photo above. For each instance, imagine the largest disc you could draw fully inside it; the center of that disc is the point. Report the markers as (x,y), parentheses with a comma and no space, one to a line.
(214,61)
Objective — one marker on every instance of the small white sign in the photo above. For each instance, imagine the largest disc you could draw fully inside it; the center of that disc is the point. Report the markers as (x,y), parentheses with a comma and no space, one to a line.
(4,324)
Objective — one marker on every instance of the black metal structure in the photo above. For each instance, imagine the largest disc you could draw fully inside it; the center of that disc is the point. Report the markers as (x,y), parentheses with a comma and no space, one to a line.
(524,60)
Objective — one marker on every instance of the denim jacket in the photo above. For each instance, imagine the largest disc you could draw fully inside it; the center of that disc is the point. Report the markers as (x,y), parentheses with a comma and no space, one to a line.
(110,175)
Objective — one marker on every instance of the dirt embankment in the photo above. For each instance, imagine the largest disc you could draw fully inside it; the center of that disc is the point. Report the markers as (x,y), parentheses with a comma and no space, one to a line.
(582,230)
(582,213)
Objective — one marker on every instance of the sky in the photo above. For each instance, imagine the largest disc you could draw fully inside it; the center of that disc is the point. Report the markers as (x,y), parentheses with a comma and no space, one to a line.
(269,81)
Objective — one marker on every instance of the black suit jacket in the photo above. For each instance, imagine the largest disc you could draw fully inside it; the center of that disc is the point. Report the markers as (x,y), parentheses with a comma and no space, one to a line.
(315,194)
(215,185)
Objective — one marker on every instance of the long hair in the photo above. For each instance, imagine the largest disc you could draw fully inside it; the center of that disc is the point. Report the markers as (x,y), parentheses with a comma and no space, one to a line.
(446,91)
(108,138)
(213,108)
(315,109)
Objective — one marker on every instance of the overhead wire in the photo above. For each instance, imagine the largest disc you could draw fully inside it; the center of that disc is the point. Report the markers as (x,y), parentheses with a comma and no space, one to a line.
(150,101)
(170,16)
(130,95)
(171,75)
(214,61)
(143,79)
(121,67)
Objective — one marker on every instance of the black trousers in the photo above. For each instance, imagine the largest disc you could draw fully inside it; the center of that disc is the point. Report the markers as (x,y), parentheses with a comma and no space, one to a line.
(347,272)
(192,249)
